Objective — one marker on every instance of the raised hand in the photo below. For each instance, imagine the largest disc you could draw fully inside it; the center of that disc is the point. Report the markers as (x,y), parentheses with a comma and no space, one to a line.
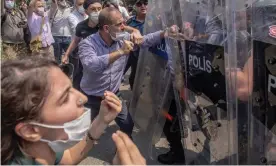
(127,152)
(110,107)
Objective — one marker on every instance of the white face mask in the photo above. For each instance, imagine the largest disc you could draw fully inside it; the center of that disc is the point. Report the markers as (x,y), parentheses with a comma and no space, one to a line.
(121,36)
(40,11)
(9,4)
(75,130)
(81,10)
(94,17)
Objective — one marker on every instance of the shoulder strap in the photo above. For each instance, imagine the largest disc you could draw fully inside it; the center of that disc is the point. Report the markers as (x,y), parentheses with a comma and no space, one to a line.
(41,26)
(53,18)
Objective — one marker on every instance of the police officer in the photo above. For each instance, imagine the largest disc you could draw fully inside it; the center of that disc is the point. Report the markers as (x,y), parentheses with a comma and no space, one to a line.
(137,21)
(204,73)
(173,126)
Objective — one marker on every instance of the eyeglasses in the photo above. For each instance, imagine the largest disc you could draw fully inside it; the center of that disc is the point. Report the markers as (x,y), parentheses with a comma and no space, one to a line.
(139,4)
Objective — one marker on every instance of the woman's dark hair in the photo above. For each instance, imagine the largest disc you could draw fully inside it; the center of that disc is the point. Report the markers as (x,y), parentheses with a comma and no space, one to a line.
(24,89)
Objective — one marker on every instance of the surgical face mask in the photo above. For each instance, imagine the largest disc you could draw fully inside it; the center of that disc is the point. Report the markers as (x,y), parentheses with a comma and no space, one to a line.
(81,10)
(121,36)
(40,11)
(94,17)
(76,130)
(9,4)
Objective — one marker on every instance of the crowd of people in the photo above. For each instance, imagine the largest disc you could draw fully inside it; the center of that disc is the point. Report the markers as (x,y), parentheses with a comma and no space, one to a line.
(42,108)
(63,63)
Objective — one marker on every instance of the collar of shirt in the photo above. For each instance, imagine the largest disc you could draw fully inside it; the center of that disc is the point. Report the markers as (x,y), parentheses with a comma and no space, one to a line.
(102,42)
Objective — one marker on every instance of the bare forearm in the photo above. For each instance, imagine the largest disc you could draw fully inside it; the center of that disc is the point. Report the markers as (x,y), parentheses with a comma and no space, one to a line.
(130,29)
(31,8)
(53,10)
(115,55)
(72,46)
(80,151)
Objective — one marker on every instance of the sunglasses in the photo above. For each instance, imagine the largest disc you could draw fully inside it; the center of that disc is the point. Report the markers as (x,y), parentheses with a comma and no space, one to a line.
(139,4)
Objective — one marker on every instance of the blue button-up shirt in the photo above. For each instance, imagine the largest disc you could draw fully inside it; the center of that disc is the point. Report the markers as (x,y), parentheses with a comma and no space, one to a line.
(98,74)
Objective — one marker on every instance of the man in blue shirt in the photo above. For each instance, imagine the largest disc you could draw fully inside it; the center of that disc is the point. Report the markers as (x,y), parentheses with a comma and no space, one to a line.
(137,22)
(104,56)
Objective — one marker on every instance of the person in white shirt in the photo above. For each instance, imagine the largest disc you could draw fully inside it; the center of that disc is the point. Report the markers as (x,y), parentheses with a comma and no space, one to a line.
(61,29)
(77,15)
(121,8)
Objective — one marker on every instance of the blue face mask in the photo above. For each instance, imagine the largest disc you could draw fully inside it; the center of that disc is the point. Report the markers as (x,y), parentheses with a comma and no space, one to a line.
(9,4)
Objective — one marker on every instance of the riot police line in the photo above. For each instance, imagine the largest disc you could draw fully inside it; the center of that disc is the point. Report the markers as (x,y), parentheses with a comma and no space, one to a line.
(222,65)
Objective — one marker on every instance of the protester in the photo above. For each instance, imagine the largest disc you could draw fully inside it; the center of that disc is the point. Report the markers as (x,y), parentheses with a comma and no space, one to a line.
(104,56)
(61,29)
(39,25)
(23,6)
(107,3)
(77,15)
(13,22)
(121,8)
(137,21)
(84,29)
(44,119)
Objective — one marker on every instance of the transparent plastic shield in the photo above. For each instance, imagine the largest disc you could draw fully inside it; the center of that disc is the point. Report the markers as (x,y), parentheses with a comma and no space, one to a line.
(262,128)
(150,102)
(172,17)
(250,86)
(238,51)
(201,41)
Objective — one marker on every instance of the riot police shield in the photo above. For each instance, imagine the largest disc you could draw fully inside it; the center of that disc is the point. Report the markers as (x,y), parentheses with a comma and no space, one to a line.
(237,49)
(150,102)
(202,38)
(173,18)
(250,85)
(262,127)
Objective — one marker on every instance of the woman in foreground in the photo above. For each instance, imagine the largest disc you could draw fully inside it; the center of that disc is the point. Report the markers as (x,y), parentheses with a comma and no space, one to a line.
(44,120)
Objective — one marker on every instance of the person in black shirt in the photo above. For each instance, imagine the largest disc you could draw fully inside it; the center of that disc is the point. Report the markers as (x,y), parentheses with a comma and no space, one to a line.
(86,27)
(83,30)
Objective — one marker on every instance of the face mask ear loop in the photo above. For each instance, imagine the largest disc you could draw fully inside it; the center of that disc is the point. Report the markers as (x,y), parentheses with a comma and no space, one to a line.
(47,126)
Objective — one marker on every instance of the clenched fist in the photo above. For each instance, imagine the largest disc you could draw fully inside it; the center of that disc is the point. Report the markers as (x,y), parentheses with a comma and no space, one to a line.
(127,47)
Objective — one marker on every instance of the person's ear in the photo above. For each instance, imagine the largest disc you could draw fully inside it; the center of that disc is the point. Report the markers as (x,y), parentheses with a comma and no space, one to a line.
(28,132)
(106,28)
